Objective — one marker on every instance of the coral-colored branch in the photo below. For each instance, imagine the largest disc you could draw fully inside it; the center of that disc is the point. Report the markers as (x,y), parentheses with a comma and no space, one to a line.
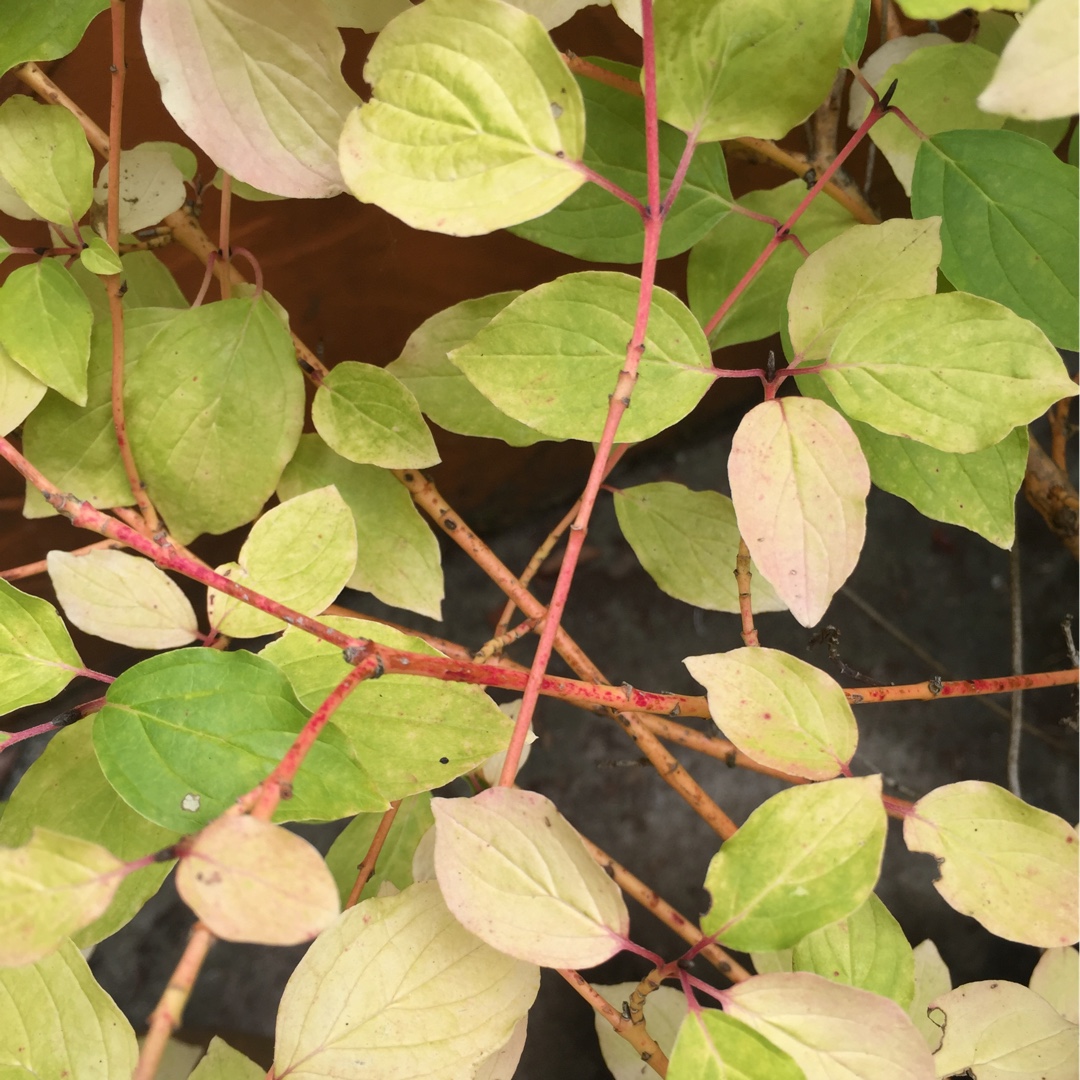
(224,227)
(609,186)
(165,1019)
(17,573)
(936,689)
(619,403)
(746,608)
(367,864)
(872,118)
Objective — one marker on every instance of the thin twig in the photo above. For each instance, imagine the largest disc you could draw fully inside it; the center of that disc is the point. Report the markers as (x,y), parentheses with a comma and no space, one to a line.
(1050,491)
(367,864)
(746,608)
(224,250)
(1016,620)
(17,573)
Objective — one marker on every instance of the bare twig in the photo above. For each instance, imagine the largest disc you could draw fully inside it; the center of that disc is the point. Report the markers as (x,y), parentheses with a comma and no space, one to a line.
(1016,619)
(367,864)
(1050,491)
(743,577)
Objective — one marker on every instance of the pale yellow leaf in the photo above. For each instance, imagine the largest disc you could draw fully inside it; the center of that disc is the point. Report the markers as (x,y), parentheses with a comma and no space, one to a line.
(1056,978)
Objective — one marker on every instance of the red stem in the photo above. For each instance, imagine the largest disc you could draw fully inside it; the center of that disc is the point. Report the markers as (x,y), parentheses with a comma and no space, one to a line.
(620,400)
(367,864)
(872,118)
(609,186)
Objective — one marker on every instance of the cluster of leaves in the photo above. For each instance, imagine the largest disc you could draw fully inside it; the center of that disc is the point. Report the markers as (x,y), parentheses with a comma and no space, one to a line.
(922,348)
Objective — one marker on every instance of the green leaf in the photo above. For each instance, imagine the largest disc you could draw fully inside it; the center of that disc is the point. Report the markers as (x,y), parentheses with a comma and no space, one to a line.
(714,1046)
(50,887)
(1005,863)
(743,68)
(977,490)
(441,389)
(367,416)
(664,1011)
(895,260)
(45,325)
(99,258)
(374,989)
(867,950)
(803,859)
(66,791)
(185,734)
(398,558)
(34,30)
(954,371)
(931,980)
(20,393)
(937,90)
(410,734)
(37,658)
(779,710)
(75,447)
(215,405)
(301,554)
(514,872)
(46,160)
(687,542)
(1056,979)
(245,191)
(1008,232)
(412,820)
(942,9)
(799,483)
(222,1062)
(592,223)
(551,358)
(122,598)
(1033,80)
(257,86)
(367,15)
(249,880)
(831,1030)
(719,261)
(488,138)
(151,187)
(56,1021)
(149,282)
(999,1031)
(855,37)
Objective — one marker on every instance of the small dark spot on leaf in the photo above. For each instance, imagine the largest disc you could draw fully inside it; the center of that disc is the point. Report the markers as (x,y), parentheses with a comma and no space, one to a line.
(444,761)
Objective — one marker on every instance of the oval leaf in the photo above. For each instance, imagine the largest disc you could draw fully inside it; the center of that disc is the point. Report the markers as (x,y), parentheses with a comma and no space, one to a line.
(151,186)
(367,416)
(47,160)
(122,598)
(799,483)
(301,554)
(215,406)
(552,357)
(486,139)
(257,86)
(99,258)
(1007,864)
(834,1032)
(515,873)
(185,734)
(397,555)
(410,734)
(954,371)
(715,1046)
(866,264)
(1056,979)
(867,950)
(37,658)
(222,1062)
(55,1020)
(931,980)
(744,68)
(65,791)
(1035,77)
(45,323)
(248,880)
(50,887)
(779,710)
(441,389)
(1009,223)
(371,996)
(687,542)
(999,1031)
(804,858)
(35,31)
(20,393)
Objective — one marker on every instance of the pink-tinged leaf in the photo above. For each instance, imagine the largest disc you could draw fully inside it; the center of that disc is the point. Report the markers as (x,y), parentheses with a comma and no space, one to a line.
(249,880)
(799,483)
(257,84)
(514,872)
(779,710)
